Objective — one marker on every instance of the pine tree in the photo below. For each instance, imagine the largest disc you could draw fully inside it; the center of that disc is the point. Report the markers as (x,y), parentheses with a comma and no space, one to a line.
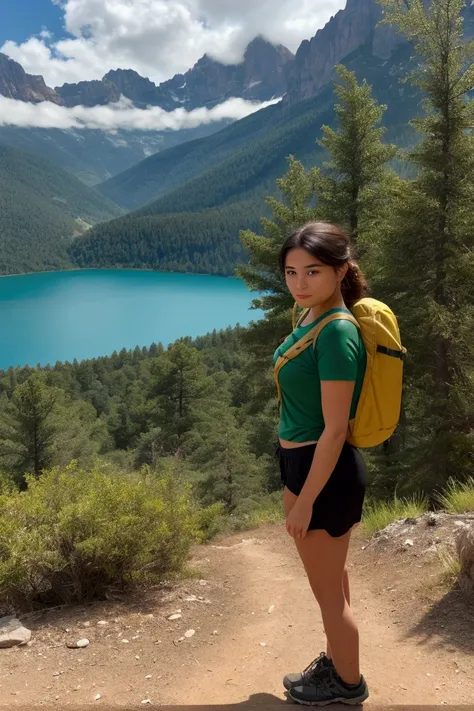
(430,246)
(355,187)
(180,381)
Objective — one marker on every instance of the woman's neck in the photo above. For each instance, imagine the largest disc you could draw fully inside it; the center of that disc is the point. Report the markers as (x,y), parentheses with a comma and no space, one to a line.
(336,302)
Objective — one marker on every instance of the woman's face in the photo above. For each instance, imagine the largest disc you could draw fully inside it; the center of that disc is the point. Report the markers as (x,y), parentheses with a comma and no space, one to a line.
(310,282)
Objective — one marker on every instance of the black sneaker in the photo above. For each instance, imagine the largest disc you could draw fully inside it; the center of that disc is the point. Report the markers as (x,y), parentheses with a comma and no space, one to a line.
(326,688)
(301,678)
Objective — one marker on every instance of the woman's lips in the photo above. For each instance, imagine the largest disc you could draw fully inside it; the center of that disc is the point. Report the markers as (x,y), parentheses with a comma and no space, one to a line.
(302,296)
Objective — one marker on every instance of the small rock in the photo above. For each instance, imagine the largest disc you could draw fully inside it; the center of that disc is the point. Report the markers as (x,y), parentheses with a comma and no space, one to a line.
(97,697)
(176,616)
(125,641)
(146,701)
(215,632)
(411,521)
(203,582)
(263,644)
(181,639)
(148,676)
(431,520)
(86,624)
(190,598)
(408,542)
(80,644)
(101,623)
(271,609)
(189,633)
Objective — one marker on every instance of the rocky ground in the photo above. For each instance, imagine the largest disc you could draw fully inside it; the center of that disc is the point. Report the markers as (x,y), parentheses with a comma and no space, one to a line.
(228,635)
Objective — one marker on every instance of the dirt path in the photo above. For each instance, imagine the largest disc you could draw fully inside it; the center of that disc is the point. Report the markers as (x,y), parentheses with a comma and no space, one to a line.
(416,647)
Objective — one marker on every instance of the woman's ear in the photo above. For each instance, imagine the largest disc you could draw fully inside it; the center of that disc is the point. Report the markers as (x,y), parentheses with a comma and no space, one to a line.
(342,271)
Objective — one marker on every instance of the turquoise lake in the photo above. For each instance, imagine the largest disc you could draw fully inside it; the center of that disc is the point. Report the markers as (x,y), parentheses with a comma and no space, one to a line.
(59,316)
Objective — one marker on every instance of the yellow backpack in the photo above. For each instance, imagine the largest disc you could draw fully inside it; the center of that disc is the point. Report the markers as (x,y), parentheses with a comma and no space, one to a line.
(378,410)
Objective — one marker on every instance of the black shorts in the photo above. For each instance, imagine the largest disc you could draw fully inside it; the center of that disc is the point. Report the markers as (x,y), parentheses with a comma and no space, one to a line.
(339,505)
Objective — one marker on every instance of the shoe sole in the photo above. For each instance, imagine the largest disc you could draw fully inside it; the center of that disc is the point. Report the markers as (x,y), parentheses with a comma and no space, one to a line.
(341,700)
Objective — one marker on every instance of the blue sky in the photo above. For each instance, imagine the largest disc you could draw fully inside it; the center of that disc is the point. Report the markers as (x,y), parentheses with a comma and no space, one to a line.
(19,19)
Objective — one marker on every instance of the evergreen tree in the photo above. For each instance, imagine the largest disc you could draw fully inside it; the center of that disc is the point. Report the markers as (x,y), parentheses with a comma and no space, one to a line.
(228,471)
(180,380)
(430,246)
(40,428)
(27,430)
(354,188)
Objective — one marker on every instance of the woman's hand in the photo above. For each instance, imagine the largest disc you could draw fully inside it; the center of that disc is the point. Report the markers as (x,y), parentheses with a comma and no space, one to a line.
(299,518)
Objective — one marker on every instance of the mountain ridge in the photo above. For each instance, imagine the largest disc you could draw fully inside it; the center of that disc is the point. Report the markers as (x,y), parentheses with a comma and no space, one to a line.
(262,75)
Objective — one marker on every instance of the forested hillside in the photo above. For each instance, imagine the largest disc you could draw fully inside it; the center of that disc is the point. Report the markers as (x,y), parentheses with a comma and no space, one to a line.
(41,207)
(204,242)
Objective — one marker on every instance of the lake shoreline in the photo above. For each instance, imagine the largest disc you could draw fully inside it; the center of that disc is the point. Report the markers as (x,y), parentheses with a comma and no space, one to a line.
(117,269)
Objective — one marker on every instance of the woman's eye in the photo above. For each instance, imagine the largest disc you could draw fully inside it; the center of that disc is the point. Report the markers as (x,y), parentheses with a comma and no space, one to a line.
(313,272)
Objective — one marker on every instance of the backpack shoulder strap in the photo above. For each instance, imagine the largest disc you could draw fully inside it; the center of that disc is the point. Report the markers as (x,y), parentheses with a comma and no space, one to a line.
(309,339)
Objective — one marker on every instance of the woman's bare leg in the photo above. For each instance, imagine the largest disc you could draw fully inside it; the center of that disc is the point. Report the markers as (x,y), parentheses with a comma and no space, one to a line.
(324,559)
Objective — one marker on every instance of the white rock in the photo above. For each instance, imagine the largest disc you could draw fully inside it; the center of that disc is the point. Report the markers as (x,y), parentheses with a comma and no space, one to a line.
(12,632)
(263,644)
(101,623)
(97,697)
(190,633)
(190,598)
(86,624)
(176,616)
(203,582)
(408,542)
(148,676)
(271,609)
(146,701)
(125,641)
(82,643)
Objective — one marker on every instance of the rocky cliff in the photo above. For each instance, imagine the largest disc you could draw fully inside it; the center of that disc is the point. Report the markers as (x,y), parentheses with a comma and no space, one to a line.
(348,30)
(15,83)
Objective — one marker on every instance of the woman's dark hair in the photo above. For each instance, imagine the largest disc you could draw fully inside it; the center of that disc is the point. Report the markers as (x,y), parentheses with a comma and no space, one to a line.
(331,245)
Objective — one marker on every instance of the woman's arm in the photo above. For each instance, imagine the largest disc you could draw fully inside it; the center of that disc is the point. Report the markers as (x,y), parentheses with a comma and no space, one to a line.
(336,399)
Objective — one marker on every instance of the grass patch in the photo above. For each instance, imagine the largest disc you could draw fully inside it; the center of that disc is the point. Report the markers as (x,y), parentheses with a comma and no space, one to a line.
(378,515)
(458,497)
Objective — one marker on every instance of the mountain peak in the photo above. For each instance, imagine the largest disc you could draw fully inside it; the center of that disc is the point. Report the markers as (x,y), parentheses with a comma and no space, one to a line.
(15,83)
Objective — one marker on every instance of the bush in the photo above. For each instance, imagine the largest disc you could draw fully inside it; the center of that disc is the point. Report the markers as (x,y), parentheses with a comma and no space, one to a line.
(377,515)
(75,535)
(211,521)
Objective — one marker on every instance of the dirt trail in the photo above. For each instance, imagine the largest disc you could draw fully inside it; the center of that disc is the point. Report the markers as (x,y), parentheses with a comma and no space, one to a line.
(416,648)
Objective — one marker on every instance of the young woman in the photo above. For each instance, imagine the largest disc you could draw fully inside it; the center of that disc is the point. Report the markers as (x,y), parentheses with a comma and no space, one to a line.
(324,477)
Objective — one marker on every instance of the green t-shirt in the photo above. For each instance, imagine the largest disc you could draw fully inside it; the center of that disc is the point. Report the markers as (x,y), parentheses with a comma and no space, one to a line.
(339,355)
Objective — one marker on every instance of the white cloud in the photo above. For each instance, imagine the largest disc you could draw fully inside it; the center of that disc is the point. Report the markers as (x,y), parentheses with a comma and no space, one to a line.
(120,116)
(159,38)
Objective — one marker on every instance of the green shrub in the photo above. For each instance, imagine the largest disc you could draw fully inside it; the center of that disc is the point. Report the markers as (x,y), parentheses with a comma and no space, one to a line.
(211,521)
(74,535)
(377,515)
(458,497)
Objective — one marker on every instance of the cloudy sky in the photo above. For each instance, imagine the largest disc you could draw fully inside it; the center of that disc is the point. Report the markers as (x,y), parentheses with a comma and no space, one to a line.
(74,40)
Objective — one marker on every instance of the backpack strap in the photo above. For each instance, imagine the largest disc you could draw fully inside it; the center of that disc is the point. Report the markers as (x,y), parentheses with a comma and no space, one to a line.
(309,339)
